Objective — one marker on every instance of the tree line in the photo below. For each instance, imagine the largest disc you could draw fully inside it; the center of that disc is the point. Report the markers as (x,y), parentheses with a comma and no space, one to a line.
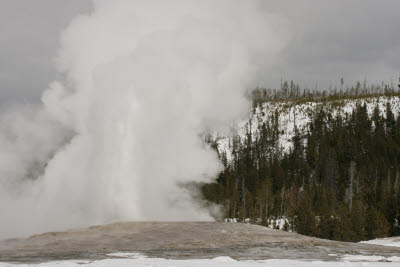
(340,180)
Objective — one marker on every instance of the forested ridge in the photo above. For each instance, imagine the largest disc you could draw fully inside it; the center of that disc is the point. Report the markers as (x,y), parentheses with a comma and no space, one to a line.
(337,179)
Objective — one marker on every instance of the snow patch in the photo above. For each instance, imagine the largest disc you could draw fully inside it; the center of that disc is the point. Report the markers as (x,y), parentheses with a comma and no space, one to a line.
(293,116)
(364,258)
(355,261)
(127,255)
(389,242)
(224,259)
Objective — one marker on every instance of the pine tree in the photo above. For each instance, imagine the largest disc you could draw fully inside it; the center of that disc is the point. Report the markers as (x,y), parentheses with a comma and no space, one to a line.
(305,222)
(340,180)
(376,225)
(342,229)
(358,220)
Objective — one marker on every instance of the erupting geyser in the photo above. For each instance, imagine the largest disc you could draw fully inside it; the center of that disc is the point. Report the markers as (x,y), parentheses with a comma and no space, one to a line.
(141,80)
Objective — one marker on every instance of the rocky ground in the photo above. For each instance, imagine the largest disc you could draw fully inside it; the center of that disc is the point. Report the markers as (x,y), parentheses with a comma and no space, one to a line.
(181,240)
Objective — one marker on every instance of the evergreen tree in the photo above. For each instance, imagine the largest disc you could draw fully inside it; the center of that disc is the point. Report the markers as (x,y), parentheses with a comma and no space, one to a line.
(305,222)
(340,178)
(376,225)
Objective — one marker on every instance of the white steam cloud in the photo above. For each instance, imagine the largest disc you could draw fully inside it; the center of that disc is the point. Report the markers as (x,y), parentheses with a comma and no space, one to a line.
(121,129)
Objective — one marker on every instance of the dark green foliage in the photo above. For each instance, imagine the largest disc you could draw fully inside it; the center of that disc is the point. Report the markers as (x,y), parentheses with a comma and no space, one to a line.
(304,222)
(376,226)
(358,220)
(339,181)
(342,225)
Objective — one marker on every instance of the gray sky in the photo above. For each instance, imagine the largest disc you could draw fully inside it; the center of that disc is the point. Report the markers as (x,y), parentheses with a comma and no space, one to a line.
(343,38)
(29,33)
(328,40)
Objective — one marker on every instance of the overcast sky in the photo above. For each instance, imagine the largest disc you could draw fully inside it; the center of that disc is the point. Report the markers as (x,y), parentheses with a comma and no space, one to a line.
(29,34)
(328,40)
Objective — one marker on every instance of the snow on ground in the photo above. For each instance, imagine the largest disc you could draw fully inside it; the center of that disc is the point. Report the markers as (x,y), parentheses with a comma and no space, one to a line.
(389,241)
(293,115)
(127,255)
(134,260)
(363,258)
(356,261)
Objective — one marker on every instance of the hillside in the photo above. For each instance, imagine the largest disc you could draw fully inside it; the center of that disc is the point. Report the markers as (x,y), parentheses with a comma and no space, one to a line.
(326,167)
(293,114)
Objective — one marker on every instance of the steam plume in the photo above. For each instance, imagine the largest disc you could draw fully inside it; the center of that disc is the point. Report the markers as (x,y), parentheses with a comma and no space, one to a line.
(114,137)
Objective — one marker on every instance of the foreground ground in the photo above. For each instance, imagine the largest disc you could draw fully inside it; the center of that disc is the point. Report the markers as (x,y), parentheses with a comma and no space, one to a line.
(179,243)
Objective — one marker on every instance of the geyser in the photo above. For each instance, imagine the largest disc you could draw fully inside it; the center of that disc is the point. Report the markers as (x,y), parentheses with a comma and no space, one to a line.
(141,80)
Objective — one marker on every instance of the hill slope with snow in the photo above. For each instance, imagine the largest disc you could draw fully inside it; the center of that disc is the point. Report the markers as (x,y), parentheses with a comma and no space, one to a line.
(292,115)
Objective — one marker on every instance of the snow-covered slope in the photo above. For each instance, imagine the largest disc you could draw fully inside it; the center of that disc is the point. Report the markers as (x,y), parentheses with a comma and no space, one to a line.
(292,114)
